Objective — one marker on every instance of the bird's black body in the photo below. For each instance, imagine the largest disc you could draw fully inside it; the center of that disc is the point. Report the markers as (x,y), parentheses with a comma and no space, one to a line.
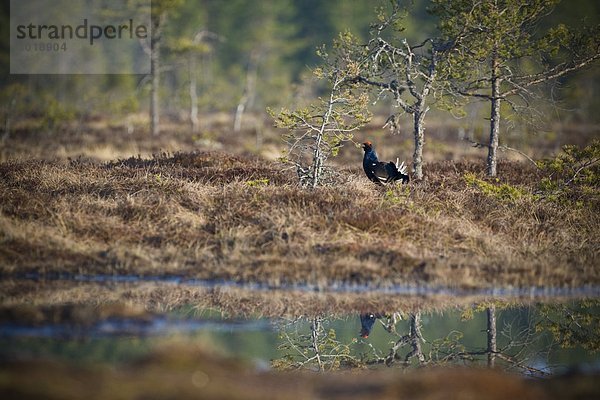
(378,171)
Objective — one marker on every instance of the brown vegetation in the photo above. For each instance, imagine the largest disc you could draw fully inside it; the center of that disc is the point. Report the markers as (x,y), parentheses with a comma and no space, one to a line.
(213,215)
(233,216)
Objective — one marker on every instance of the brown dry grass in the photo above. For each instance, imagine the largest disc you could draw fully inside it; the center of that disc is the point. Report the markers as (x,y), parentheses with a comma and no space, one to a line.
(218,216)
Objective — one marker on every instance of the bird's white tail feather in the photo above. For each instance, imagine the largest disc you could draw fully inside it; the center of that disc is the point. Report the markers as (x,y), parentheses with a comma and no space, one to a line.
(401,167)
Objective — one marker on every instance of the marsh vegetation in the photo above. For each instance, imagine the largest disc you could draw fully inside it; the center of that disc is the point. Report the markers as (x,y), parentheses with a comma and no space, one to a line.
(211,253)
(214,215)
(120,245)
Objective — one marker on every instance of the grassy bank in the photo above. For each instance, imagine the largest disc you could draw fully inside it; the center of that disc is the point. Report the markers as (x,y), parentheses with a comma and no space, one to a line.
(214,215)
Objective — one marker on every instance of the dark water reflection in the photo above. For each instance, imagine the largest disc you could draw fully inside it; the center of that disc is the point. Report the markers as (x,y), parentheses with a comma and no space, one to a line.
(534,340)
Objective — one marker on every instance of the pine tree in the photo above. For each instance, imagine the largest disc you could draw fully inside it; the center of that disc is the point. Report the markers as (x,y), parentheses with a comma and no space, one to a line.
(498,54)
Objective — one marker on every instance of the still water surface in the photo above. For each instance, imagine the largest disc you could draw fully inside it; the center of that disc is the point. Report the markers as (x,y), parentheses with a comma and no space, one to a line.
(535,340)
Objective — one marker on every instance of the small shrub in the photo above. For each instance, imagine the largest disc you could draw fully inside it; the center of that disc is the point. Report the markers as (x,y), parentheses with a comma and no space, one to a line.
(504,192)
(397,195)
(573,175)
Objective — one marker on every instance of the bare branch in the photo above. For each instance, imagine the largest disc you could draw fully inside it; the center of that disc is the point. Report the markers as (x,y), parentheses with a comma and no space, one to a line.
(556,72)
(502,147)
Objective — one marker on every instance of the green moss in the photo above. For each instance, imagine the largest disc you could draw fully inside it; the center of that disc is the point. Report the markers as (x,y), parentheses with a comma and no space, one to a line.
(257,182)
(396,195)
(504,192)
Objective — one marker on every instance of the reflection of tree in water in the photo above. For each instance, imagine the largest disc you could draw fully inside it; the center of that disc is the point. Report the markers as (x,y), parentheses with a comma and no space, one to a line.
(508,346)
(319,349)
(516,340)
(572,325)
(413,339)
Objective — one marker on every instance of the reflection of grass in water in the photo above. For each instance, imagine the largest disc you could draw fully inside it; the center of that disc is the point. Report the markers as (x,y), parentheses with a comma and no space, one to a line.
(29,302)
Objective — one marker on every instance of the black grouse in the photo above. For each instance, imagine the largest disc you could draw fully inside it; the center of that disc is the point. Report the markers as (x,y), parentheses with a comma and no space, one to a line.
(380,172)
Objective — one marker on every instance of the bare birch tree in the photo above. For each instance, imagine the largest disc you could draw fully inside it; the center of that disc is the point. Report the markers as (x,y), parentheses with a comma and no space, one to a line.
(492,336)
(249,88)
(201,44)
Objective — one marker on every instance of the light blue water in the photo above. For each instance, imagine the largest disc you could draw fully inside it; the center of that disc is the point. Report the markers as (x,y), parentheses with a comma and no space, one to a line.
(531,292)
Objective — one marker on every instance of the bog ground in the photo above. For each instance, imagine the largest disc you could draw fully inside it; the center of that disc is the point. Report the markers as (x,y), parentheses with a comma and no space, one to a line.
(93,232)
(213,215)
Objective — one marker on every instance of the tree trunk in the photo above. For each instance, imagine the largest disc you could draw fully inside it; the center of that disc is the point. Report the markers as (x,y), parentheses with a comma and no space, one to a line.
(249,89)
(6,133)
(317,162)
(193,94)
(419,133)
(491,336)
(494,121)
(318,154)
(413,339)
(419,117)
(155,72)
